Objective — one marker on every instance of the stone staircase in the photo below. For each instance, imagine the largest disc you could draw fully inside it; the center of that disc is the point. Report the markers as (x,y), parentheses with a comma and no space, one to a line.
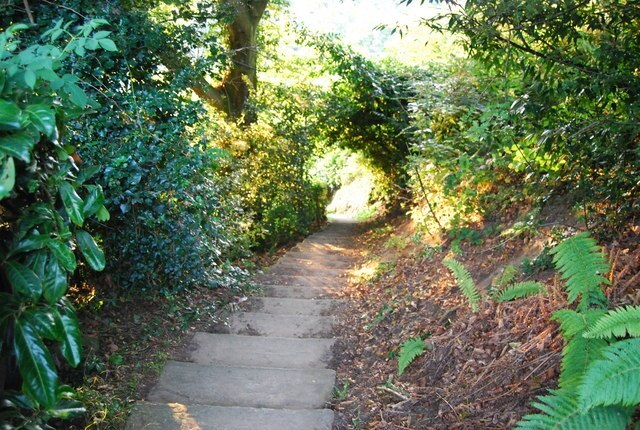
(268,369)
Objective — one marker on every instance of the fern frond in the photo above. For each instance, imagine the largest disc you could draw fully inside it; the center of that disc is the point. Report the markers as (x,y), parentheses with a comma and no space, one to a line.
(561,411)
(520,290)
(618,322)
(581,263)
(615,378)
(465,282)
(409,350)
(579,351)
(507,276)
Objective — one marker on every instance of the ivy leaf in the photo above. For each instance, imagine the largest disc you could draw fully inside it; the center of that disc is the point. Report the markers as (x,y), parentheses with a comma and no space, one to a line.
(91,251)
(40,380)
(108,45)
(72,203)
(71,346)
(54,284)
(43,118)
(23,280)
(7,177)
(63,255)
(18,145)
(10,115)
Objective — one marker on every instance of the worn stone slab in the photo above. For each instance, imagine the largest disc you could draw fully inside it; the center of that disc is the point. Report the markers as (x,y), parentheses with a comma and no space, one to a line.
(259,351)
(302,270)
(325,260)
(292,306)
(320,249)
(300,281)
(289,291)
(260,324)
(190,383)
(176,416)
(288,260)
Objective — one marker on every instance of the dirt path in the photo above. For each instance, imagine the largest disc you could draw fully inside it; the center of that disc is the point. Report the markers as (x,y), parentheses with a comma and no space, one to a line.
(268,369)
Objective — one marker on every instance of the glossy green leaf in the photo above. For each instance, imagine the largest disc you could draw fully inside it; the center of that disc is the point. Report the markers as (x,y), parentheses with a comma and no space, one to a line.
(43,118)
(30,243)
(72,202)
(94,201)
(44,322)
(54,284)
(39,376)
(71,346)
(37,261)
(23,280)
(7,177)
(67,409)
(91,251)
(86,173)
(63,255)
(10,115)
(18,145)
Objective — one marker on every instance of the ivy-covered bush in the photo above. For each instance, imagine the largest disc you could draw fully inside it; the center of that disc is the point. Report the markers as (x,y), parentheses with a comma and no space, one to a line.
(49,208)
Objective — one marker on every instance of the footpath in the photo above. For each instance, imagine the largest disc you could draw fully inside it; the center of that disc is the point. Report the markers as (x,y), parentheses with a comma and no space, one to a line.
(269,368)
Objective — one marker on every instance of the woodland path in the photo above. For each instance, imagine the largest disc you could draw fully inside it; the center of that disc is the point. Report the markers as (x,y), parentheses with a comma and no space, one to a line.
(269,368)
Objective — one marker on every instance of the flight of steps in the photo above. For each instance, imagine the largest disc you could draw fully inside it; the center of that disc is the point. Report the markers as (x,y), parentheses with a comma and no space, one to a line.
(268,369)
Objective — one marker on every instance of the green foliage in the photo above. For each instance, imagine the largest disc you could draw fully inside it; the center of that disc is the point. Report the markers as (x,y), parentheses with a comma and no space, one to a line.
(47,207)
(618,322)
(561,411)
(520,290)
(582,265)
(614,379)
(465,282)
(409,351)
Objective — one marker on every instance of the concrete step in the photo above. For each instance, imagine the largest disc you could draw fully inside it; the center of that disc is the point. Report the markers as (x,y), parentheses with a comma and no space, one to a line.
(260,324)
(288,291)
(300,281)
(300,270)
(260,351)
(287,260)
(190,383)
(288,306)
(175,416)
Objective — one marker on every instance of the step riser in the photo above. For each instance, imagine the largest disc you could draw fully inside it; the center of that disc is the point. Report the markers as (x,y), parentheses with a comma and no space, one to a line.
(299,281)
(269,305)
(257,351)
(189,383)
(150,416)
(258,324)
(279,291)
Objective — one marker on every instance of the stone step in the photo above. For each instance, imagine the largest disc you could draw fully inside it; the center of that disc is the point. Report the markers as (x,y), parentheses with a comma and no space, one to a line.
(288,306)
(333,263)
(293,292)
(299,270)
(261,324)
(175,416)
(300,281)
(319,256)
(190,383)
(260,351)
(320,249)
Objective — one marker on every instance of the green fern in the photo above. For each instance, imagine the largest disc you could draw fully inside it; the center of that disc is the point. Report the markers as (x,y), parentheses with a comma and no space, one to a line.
(520,290)
(507,276)
(579,352)
(409,350)
(561,411)
(615,378)
(467,286)
(618,322)
(581,263)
